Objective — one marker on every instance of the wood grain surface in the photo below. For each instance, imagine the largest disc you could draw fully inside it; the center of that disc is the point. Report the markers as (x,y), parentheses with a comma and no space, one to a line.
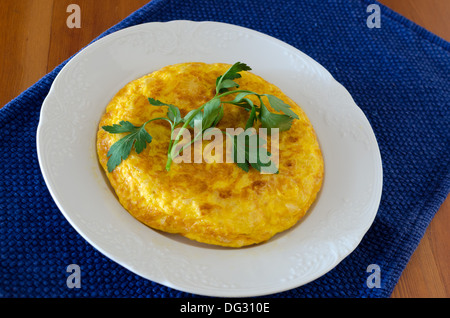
(34,39)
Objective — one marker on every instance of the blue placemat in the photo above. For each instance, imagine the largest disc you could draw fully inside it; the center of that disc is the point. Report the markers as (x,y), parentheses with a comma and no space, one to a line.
(398,74)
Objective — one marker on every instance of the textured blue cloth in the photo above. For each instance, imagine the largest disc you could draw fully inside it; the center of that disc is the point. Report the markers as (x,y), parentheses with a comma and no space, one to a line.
(398,74)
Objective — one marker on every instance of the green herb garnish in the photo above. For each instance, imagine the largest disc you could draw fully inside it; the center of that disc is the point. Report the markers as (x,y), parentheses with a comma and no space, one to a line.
(210,115)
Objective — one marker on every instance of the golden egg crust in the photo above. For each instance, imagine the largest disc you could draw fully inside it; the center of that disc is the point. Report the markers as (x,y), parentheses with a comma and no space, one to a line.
(213,203)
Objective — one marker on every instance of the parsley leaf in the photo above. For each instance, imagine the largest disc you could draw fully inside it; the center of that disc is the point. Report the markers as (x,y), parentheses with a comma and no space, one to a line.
(225,81)
(191,121)
(271,120)
(280,106)
(211,111)
(138,138)
(124,126)
(173,114)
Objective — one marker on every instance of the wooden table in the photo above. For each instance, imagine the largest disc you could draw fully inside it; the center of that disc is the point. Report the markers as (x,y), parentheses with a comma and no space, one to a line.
(34,38)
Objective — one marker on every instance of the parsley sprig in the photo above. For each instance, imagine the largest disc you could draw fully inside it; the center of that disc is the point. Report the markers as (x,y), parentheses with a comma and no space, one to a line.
(210,115)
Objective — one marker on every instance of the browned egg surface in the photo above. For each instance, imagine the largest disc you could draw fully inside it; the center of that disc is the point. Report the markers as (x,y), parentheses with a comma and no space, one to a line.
(213,203)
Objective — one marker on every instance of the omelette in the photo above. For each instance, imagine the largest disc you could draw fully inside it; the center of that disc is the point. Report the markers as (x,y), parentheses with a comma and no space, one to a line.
(215,203)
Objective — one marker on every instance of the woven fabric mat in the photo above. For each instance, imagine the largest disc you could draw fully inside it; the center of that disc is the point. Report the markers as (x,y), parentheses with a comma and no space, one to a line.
(399,76)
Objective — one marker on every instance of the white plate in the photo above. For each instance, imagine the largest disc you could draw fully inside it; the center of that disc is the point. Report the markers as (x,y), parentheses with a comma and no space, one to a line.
(343,212)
